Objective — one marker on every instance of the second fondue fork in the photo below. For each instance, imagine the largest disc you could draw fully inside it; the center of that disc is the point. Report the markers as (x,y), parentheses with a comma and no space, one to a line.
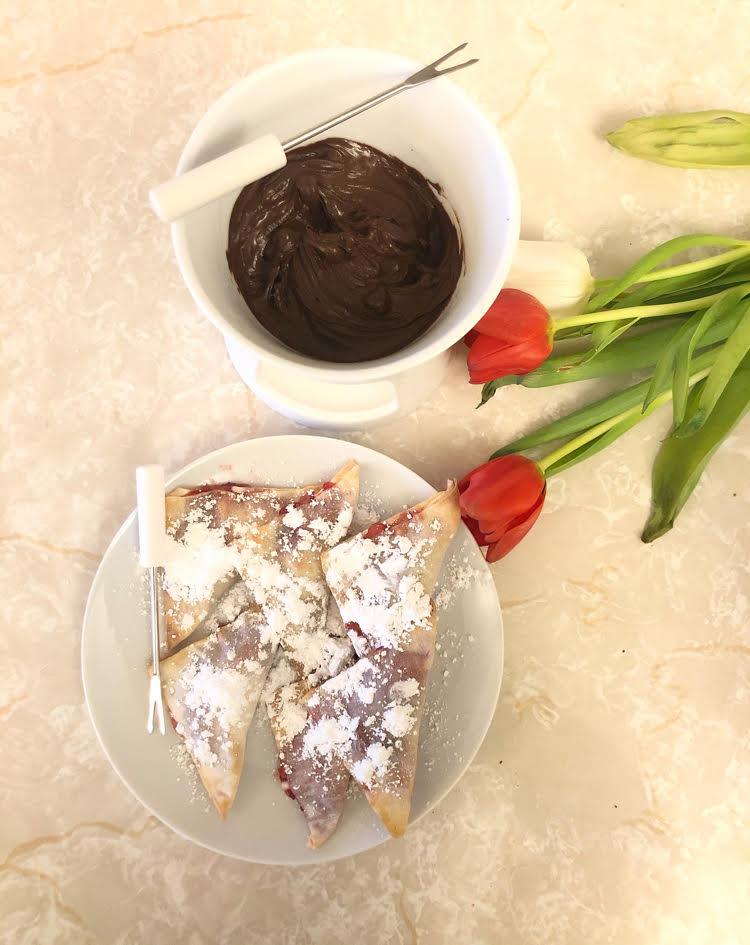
(181,195)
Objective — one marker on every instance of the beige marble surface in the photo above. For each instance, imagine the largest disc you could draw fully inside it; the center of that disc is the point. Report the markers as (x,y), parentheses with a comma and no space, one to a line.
(609,802)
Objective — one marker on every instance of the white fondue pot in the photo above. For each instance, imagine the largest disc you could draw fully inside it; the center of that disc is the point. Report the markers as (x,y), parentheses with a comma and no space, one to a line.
(435,128)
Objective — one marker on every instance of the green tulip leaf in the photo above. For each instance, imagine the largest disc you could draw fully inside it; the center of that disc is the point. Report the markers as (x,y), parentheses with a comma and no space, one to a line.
(593,446)
(681,460)
(730,357)
(664,368)
(488,389)
(625,356)
(594,413)
(600,341)
(652,260)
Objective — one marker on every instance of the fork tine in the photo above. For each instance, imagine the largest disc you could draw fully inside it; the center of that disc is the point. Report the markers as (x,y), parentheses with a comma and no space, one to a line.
(430,72)
(446,56)
(155,706)
(461,65)
(160,716)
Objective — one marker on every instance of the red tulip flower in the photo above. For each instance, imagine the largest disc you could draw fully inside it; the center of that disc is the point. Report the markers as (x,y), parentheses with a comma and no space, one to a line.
(513,337)
(500,501)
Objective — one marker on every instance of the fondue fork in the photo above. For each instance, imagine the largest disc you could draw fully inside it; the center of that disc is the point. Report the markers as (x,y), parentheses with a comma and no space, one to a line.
(181,195)
(149,482)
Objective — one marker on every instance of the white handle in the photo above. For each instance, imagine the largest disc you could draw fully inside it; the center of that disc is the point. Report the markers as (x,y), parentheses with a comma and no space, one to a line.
(194,189)
(149,484)
(325,405)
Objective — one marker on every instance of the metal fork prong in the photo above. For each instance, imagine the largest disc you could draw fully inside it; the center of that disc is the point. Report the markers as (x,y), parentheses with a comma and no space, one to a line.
(446,56)
(430,72)
(155,706)
(423,75)
(461,65)
(160,715)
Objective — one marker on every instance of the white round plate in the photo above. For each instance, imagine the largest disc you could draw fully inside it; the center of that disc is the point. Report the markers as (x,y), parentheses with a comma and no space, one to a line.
(263,825)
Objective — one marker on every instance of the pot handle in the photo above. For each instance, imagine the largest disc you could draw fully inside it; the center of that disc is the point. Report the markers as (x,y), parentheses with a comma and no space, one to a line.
(316,403)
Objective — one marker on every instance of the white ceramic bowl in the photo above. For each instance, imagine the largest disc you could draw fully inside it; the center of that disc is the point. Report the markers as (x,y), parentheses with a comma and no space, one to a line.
(435,128)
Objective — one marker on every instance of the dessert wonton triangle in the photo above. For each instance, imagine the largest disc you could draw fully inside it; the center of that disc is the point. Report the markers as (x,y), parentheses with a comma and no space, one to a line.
(280,563)
(212,689)
(381,579)
(202,525)
(368,717)
(318,784)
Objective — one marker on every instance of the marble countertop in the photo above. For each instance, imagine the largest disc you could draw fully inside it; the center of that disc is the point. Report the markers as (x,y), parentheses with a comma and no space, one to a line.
(609,802)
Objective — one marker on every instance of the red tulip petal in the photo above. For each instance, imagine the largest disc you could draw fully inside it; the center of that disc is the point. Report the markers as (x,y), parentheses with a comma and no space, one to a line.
(489,354)
(496,468)
(513,316)
(501,490)
(496,530)
(473,526)
(470,337)
(515,533)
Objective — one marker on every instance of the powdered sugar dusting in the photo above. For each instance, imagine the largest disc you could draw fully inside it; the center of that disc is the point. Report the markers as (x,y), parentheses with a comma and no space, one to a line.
(363,716)
(187,773)
(404,689)
(377,589)
(201,528)
(281,674)
(290,714)
(330,736)
(283,571)
(197,561)
(364,516)
(458,575)
(374,765)
(216,699)
(398,719)
(294,518)
(212,689)
(287,599)
(235,601)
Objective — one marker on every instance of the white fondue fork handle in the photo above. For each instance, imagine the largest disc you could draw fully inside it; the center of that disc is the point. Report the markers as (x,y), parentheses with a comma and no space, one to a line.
(181,195)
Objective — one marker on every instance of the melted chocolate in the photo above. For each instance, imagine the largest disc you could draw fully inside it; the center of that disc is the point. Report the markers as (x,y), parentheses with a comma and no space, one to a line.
(344,254)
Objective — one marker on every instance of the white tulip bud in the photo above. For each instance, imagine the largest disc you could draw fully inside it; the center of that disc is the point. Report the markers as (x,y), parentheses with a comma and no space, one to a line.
(557,274)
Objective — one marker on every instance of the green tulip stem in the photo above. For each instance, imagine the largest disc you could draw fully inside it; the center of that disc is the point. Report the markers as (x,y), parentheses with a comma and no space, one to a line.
(687,269)
(699,265)
(638,312)
(593,432)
